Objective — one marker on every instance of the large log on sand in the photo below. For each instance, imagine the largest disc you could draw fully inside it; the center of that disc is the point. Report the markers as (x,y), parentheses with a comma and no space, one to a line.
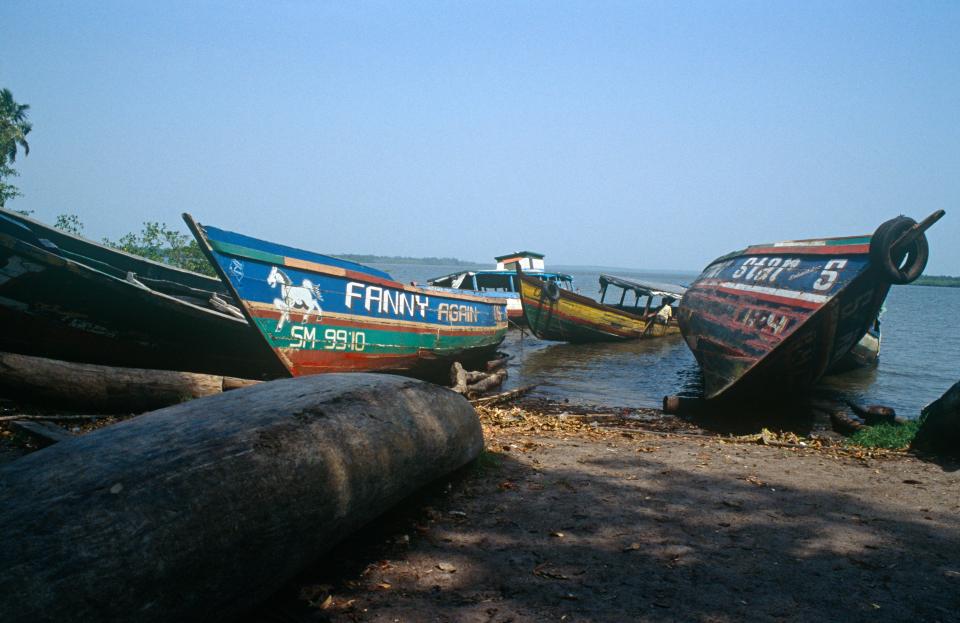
(106,388)
(199,511)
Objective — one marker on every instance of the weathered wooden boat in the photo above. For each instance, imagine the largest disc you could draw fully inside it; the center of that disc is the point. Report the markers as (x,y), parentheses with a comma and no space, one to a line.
(200,511)
(64,297)
(367,320)
(554,313)
(773,318)
(501,282)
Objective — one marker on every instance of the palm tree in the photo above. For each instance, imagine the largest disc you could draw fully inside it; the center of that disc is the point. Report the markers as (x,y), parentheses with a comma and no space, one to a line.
(14,127)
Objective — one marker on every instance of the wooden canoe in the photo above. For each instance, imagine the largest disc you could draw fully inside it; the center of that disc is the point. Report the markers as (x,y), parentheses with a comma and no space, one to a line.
(554,313)
(67,298)
(324,314)
(773,318)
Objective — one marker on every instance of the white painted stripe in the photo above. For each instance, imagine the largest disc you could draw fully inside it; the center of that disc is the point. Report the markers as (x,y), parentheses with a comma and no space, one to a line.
(801,243)
(788,294)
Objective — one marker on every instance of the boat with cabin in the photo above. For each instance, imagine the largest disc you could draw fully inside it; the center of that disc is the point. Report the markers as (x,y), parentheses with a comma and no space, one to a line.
(324,314)
(771,319)
(68,298)
(501,282)
(553,313)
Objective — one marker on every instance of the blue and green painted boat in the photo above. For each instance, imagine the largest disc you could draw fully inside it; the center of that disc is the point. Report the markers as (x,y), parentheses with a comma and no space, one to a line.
(324,314)
(771,319)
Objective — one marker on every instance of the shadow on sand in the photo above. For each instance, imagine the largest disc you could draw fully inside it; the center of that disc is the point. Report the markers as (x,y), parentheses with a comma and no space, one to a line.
(625,536)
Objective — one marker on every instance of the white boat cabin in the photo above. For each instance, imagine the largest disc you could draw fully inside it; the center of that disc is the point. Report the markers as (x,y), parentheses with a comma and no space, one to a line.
(527,260)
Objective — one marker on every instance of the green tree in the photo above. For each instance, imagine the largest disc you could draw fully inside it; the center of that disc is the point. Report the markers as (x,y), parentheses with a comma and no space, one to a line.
(158,242)
(14,128)
(7,191)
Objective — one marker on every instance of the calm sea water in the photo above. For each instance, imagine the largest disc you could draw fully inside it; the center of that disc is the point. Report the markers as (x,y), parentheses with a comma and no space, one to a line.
(919,353)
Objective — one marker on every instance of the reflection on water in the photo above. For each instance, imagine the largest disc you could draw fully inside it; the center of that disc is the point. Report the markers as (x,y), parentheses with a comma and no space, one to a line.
(635,373)
(918,357)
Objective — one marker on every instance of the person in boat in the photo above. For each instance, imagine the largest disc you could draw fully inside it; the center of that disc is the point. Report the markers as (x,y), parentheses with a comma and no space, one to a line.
(666,311)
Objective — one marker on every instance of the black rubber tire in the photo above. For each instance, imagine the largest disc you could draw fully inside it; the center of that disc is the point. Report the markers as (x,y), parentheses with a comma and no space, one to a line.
(912,260)
(552,290)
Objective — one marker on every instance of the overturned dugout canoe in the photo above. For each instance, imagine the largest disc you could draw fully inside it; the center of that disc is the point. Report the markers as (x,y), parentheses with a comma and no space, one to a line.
(200,511)
(771,319)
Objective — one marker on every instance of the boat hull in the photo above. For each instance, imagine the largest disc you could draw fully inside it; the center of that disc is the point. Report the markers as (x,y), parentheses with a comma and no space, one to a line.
(572,317)
(320,314)
(55,307)
(772,319)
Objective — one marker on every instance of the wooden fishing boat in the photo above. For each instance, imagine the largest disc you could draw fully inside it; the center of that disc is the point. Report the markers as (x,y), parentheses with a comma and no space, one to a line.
(554,313)
(501,282)
(324,314)
(773,318)
(67,298)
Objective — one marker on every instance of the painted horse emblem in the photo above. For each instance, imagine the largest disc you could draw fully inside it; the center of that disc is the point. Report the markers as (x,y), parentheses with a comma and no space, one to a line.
(305,297)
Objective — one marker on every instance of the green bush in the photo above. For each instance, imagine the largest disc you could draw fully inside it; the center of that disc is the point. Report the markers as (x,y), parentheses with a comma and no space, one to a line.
(889,436)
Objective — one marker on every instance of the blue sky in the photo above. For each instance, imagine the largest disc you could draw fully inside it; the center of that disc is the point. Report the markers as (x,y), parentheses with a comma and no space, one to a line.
(648,135)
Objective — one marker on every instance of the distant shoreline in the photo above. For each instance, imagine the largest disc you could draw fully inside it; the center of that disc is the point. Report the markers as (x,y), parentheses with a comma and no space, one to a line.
(394,259)
(941,281)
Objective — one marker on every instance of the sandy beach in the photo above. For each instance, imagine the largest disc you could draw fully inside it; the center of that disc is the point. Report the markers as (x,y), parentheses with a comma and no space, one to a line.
(563,519)
(644,517)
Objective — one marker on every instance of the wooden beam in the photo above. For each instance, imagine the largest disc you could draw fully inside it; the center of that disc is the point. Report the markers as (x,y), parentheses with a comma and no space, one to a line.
(105,388)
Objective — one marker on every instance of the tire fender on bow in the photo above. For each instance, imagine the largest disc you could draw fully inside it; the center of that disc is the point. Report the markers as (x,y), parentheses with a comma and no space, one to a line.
(902,264)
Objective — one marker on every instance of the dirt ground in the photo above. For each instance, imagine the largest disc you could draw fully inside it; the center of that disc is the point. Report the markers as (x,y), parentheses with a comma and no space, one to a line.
(568,519)
(642,517)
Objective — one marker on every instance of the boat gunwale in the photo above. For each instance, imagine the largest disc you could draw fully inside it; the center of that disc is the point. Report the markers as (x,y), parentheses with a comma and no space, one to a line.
(333,271)
(107,249)
(794,247)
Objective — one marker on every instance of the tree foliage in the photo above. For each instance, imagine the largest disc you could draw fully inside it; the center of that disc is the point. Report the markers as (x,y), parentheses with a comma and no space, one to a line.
(158,242)
(14,128)
(69,223)
(7,191)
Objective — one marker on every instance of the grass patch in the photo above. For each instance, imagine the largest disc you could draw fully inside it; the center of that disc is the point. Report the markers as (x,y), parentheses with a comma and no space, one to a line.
(889,436)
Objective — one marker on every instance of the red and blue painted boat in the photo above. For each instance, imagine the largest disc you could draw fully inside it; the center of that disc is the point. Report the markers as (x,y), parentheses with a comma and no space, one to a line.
(773,318)
(324,314)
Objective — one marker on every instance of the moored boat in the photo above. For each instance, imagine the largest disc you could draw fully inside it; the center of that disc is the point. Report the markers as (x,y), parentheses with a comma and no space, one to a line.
(64,297)
(773,318)
(553,313)
(324,314)
(501,282)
